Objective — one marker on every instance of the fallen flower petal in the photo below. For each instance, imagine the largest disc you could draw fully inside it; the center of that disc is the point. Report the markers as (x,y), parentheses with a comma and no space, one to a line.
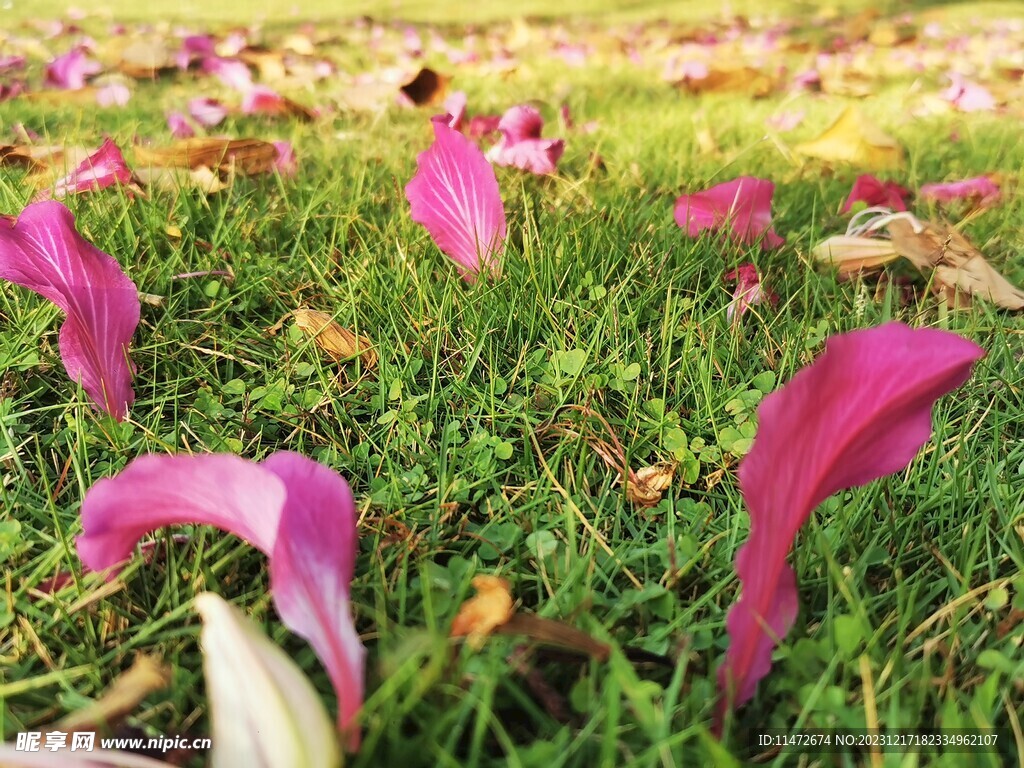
(179,126)
(521,145)
(285,163)
(455,195)
(265,711)
(487,610)
(102,169)
(743,205)
(873,191)
(980,189)
(859,412)
(455,110)
(207,112)
(42,251)
(748,293)
(297,512)
(968,96)
(233,73)
(113,95)
(70,70)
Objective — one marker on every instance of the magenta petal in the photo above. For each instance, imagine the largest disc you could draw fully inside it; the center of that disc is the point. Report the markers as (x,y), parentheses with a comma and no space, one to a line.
(862,410)
(481,125)
(455,195)
(538,156)
(259,99)
(104,168)
(43,252)
(225,491)
(311,569)
(233,73)
(743,205)
(285,162)
(455,109)
(748,293)
(70,70)
(873,191)
(207,112)
(980,188)
(521,123)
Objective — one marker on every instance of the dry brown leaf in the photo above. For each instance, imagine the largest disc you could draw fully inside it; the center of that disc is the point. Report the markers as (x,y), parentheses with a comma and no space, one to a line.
(483,613)
(743,79)
(144,59)
(852,138)
(852,255)
(886,34)
(428,87)
(146,675)
(957,264)
(340,343)
(39,158)
(65,98)
(245,156)
(646,486)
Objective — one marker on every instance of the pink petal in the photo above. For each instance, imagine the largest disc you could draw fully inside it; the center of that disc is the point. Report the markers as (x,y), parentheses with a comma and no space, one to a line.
(12,62)
(70,70)
(521,123)
(225,491)
(968,96)
(744,205)
(749,291)
(785,121)
(43,252)
(114,94)
(455,195)
(875,192)
(859,412)
(207,112)
(455,110)
(538,156)
(179,125)
(194,47)
(285,162)
(481,125)
(259,99)
(296,511)
(233,73)
(980,188)
(311,568)
(103,168)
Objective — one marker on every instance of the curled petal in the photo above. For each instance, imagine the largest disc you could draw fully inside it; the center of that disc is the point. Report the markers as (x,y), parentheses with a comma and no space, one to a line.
(980,188)
(70,70)
(42,251)
(859,412)
(538,156)
(207,112)
(520,124)
(874,192)
(455,195)
(105,167)
(179,126)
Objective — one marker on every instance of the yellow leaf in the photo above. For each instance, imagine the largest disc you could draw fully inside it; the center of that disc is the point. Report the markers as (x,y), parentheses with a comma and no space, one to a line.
(852,138)
(487,610)
(245,156)
(340,343)
(851,255)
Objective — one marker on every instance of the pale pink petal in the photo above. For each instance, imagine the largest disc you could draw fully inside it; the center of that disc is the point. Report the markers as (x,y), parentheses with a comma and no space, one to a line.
(207,112)
(70,70)
(233,73)
(538,156)
(455,110)
(311,568)
(43,252)
(113,95)
(11,63)
(859,412)
(968,96)
(742,206)
(180,126)
(296,511)
(103,168)
(980,188)
(785,121)
(874,192)
(285,162)
(455,195)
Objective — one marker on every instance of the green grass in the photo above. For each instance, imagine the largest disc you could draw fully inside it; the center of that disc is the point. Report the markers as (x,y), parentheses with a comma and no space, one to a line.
(903,583)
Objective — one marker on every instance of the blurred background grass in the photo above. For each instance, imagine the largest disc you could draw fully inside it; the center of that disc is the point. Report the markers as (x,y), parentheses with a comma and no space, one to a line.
(246,11)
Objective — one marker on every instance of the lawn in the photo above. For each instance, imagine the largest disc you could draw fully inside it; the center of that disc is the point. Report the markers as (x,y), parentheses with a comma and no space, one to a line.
(475,443)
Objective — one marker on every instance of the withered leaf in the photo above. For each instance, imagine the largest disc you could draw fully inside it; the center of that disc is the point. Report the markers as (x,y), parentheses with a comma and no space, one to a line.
(487,610)
(852,138)
(744,79)
(851,255)
(244,156)
(340,343)
(145,59)
(646,486)
(146,675)
(428,87)
(173,179)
